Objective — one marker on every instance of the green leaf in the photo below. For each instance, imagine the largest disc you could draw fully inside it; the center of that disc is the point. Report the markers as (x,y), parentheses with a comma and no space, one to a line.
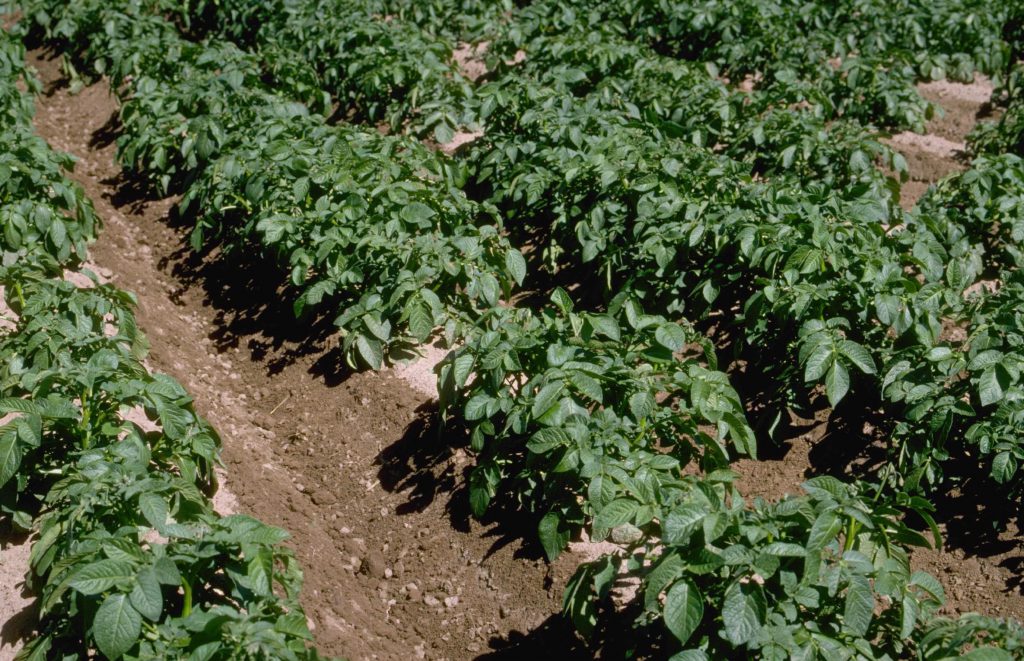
(826,486)
(166,572)
(102,575)
(558,354)
(546,399)
(682,522)
(553,535)
(480,492)
(684,609)
(146,596)
(462,367)
(588,385)
(785,550)
(561,299)
(860,607)
(909,615)
(817,363)
(381,330)
(606,325)
(616,513)
(743,612)
(668,569)
(476,407)
(1003,467)
(993,384)
(421,322)
(154,508)
(516,265)
(260,571)
(117,626)
(823,530)
(10,457)
(859,356)
(489,288)
(837,383)
(443,133)
(417,213)
(371,351)
(670,336)
(690,655)
(641,405)
(547,439)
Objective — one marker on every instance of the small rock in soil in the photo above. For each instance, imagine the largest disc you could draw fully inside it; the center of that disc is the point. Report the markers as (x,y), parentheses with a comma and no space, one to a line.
(373,565)
(431,600)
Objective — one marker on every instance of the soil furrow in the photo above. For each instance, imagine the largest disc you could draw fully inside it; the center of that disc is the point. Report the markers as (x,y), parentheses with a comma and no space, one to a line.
(395,567)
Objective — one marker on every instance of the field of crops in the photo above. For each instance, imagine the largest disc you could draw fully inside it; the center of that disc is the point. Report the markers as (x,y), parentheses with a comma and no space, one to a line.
(651,329)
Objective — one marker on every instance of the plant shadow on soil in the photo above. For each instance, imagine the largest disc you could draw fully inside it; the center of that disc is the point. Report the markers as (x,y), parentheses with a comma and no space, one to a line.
(554,638)
(252,306)
(249,293)
(21,613)
(430,461)
(426,464)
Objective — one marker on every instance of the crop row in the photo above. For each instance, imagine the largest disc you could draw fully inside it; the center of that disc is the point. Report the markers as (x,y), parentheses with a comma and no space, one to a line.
(564,161)
(106,463)
(587,151)
(589,418)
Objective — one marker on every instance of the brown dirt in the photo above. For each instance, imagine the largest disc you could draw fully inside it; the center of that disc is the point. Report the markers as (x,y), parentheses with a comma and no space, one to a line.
(395,568)
(940,151)
(17,612)
(470,59)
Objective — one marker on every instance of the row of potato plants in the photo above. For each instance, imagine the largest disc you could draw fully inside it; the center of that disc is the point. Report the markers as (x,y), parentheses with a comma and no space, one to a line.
(256,168)
(597,185)
(537,432)
(531,154)
(107,464)
(863,55)
(813,270)
(392,61)
(545,92)
(930,406)
(685,98)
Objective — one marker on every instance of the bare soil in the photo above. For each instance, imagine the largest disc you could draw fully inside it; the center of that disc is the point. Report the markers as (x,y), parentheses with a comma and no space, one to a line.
(941,151)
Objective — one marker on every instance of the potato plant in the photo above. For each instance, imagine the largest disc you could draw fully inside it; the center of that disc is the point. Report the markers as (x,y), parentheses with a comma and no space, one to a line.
(565,403)
(129,558)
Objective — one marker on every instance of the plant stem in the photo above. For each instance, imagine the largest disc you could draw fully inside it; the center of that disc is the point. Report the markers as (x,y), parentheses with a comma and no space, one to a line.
(186,608)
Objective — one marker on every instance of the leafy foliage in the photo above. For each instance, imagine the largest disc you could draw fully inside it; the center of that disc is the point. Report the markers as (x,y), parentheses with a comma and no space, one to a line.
(110,465)
(564,403)
(412,255)
(720,160)
(809,576)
